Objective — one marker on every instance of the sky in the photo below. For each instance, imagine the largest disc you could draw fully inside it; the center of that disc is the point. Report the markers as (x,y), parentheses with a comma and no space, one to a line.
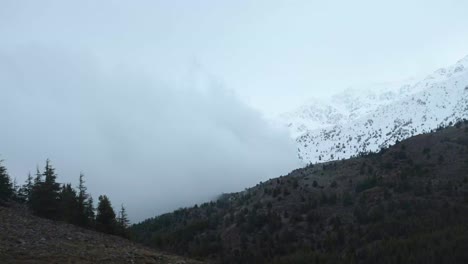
(273,54)
(171,98)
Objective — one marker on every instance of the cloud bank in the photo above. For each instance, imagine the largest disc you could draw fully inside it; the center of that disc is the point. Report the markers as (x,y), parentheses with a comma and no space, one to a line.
(151,145)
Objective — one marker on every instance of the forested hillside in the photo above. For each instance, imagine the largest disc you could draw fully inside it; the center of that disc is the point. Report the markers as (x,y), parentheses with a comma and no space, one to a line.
(43,221)
(47,198)
(405,204)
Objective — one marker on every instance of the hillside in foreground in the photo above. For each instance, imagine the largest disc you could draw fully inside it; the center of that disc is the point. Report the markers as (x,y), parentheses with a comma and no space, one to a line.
(25,238)
(405,204)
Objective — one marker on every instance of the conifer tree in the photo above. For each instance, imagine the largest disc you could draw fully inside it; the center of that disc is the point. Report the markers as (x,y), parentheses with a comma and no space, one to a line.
(6,187)
(25,190)
(28,187)
(38,177)
(16,189)
(90,212)
(68,204)
(35,195)
(49,199)
(45,194)
(123,217)
(81,199)
(123,222)
(105,218)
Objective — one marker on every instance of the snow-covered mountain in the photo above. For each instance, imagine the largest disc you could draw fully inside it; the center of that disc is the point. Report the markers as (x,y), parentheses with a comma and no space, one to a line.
(370,118)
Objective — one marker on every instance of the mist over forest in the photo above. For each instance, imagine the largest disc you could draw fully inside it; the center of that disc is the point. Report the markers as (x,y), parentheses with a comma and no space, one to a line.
(253,132)
(151,145)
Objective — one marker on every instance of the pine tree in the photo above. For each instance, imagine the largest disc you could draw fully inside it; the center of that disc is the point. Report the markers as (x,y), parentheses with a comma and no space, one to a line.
(89,212)
(16,190)
(45,196)
(26,189)
(35,195)
(38,178)
(123,222)
(82,196)
(123,217)
(105,218)
(6,187)
(68,204)
(52,191)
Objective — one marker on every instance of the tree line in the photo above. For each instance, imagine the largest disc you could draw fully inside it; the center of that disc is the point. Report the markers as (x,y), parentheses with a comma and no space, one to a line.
(47,198)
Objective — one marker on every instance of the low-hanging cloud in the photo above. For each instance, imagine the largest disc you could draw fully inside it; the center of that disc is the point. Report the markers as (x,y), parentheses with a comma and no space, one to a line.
(148,144)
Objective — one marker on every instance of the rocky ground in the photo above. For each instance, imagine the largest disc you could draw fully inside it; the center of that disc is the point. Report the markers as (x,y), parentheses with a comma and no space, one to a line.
(25,238)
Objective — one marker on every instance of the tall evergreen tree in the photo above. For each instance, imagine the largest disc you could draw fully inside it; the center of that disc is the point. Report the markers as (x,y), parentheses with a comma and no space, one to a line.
(105,218)
(16,191)
(68,204)
(45,196)
(123,217)
(38,177)
(82,218)
(6,187)
(90,212)
(26,189)
(123,222)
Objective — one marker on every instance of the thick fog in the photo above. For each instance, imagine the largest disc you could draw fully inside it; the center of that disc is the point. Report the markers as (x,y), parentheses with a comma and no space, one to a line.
(151,145)
(109,87)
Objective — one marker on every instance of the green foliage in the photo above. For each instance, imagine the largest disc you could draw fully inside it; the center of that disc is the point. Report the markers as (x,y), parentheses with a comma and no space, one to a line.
(82,196)
(89,212)
(25,191)
(45,194)
(105,217)
(68,204)
(16,192)
(47,198)
(6,186)
(122,222)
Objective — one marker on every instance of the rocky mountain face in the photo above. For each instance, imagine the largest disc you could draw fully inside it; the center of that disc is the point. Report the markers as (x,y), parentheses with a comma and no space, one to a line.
(405,204)
(25,238)
(374,117)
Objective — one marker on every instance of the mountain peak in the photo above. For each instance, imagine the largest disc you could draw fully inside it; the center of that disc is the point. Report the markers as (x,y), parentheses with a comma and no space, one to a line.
(377,116)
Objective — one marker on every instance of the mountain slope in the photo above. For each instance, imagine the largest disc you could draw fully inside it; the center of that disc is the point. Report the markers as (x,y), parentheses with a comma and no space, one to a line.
(405,204)
(25,238)
(376,117)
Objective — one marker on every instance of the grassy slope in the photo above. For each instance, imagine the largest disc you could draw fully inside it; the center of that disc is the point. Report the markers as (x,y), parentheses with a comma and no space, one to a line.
(25,238)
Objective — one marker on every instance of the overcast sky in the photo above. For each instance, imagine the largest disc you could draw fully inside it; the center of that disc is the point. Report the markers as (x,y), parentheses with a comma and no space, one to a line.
(272,53)
(167,94)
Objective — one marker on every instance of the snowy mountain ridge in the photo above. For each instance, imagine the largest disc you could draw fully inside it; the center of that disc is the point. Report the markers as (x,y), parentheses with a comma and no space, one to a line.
(374,117)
